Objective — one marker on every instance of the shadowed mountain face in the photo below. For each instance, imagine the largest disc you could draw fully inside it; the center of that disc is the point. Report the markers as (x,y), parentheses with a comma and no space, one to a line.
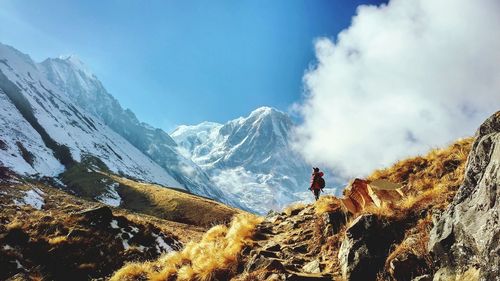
(250,158)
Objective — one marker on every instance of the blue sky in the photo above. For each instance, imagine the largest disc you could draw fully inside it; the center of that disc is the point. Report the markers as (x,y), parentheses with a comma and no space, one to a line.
(183,62)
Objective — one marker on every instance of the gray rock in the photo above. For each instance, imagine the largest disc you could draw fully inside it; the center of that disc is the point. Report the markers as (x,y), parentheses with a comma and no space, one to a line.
(103,213)
(467,234)
(261,262)
(312,267)
(425,277)
(334,221)
(296,276)
(365,247)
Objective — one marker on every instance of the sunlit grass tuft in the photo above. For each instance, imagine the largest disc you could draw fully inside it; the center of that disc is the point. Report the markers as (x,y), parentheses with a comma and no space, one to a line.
(214,257)
(327,204)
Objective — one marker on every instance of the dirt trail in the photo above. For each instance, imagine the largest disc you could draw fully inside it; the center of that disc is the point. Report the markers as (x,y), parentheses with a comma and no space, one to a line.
(288,248)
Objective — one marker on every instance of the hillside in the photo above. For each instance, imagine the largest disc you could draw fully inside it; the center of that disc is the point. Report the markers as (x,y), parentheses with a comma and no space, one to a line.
(49,234)
(388,236)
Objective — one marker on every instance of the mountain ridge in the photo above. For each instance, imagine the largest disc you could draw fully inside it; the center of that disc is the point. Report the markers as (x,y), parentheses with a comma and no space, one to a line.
(50,122)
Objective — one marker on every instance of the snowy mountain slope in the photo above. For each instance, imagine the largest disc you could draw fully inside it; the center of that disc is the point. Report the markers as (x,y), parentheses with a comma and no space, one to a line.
(71,76)
(250,157)
(44,128)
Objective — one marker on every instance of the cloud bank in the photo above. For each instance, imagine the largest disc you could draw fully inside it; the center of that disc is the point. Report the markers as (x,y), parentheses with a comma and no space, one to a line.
(403,78)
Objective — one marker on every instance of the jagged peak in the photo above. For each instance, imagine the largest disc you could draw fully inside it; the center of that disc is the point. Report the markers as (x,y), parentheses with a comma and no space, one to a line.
(265,110)
(74,62)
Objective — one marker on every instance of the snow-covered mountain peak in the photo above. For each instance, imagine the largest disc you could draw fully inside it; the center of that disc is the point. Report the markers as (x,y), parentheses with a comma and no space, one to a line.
(71,75)
(248,157)
(265,110)
(76,63)
(15,59)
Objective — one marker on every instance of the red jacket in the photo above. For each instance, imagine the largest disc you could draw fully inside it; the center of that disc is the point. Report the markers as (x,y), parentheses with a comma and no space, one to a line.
(314,181)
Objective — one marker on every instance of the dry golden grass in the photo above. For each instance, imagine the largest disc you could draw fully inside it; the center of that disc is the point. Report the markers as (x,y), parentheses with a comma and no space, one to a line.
(214,257)
(443,166)
(472,274)
(327,204)
(296,207)
(415,243)
(58,239)
(428,181)
(171,204)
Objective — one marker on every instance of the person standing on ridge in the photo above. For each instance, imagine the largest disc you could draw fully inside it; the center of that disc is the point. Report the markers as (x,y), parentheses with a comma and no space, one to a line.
(317,182)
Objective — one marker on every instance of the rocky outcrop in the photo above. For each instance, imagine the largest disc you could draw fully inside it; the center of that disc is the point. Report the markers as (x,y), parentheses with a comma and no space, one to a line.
(359,194)
(467,234)
(365,246)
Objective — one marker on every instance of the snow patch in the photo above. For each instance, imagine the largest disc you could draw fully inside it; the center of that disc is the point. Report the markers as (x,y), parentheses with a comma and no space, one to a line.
(110,196)
(123,233)
(32,197)
(19,265)
(114,224)
(161,245)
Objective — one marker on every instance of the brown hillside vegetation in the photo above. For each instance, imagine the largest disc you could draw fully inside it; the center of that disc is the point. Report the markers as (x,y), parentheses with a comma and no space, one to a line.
(429,184)
(429,181)
(90,178)
(172,204)
(49,234)
(68,238)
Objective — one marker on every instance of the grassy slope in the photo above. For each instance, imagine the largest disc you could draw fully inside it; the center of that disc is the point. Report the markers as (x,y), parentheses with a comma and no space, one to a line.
(171,204)
(90,178)
(55,242)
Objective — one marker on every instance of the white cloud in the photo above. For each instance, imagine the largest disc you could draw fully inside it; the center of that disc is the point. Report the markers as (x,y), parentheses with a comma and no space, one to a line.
(403,78)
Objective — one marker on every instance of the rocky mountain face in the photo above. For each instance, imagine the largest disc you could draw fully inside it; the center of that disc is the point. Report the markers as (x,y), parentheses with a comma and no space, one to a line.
(467,234)
(250,158)
(43,132)
(82,87)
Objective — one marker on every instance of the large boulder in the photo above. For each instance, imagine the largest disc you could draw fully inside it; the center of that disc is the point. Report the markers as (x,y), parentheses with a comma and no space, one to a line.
(467,234)
(366,245)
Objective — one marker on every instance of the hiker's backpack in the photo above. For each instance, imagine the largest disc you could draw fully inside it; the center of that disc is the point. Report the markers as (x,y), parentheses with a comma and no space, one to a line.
(321,182)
